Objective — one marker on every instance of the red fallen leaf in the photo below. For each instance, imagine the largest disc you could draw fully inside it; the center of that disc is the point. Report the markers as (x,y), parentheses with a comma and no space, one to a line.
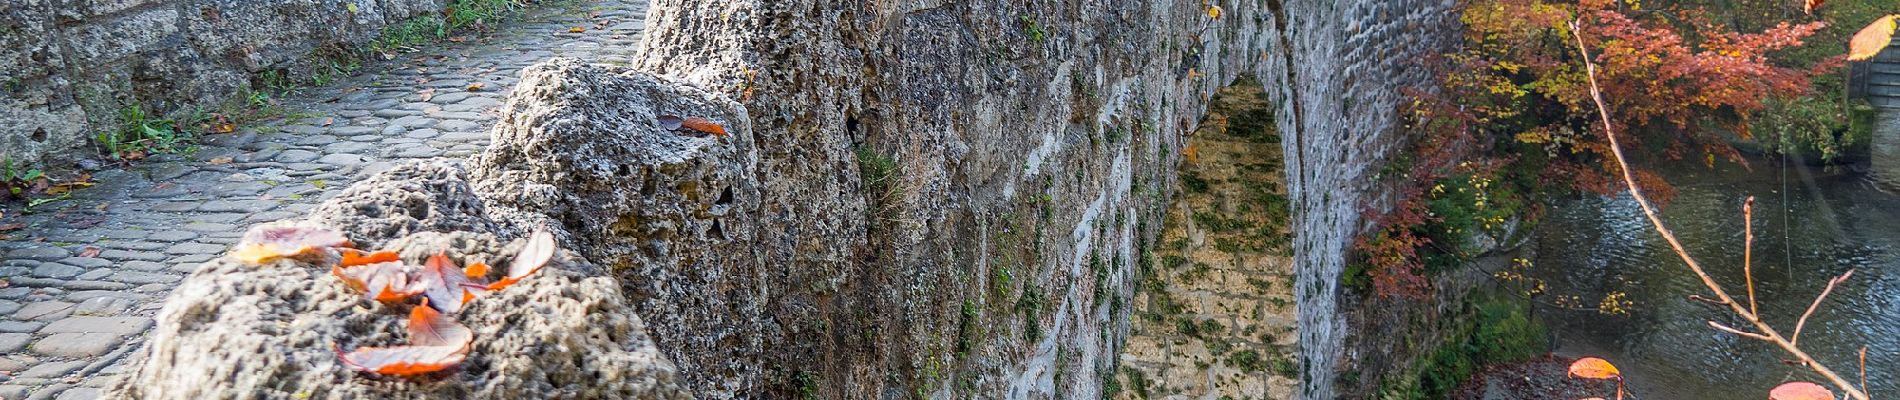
(442,284)
(265,243)
(354,257)
(1813,4)
(704,125)
(90,252)
(536,254)
(1800,391)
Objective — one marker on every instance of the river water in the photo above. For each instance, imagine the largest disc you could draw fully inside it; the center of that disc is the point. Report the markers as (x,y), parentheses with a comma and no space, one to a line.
(1810,224)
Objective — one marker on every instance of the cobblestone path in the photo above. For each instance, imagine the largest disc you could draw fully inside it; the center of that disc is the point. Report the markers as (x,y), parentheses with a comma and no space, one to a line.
(87,274)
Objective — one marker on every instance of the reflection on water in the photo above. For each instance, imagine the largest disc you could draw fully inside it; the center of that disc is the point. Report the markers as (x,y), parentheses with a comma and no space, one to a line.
(1821,226)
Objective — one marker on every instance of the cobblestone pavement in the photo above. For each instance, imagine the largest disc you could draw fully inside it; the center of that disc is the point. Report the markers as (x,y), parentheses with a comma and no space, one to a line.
(86,275)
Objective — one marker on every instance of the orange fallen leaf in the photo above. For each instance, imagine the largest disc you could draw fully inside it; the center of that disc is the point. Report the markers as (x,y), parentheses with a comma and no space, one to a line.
(1872,39)
(442,283)
(576,30)
(536,254)
(430,328)
(403,360)
(1813,4)
(704,125)
(474,87)
(383,281)
(1594,368)
(475,270)
(436,342)
(266,243)
(354,257)
(1800,391)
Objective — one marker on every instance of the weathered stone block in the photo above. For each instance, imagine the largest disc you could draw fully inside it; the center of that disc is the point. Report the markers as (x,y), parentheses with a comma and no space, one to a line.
(104,41)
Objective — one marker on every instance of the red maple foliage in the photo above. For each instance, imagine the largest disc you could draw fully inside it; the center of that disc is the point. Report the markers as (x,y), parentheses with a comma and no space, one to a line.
(1517,94)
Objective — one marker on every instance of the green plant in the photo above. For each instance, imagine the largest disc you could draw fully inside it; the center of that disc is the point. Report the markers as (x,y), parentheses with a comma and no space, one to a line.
(138,134)
(459,15)
(1033,29)
(17,178)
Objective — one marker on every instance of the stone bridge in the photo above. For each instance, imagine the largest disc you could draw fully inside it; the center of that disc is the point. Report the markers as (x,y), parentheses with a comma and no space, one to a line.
(915,199)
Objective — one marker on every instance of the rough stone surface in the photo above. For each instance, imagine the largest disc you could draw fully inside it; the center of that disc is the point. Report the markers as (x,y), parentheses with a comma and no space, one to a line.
(234,330)
(671,210)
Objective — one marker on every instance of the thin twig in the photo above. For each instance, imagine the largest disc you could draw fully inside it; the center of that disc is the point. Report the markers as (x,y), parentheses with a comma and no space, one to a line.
(1737,332)
(1831,283)
(1748,251)
(1768,333)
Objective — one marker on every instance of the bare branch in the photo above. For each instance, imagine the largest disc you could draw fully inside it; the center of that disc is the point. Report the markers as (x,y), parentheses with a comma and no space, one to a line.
(1649,210)
(1748,251)
(1831,283)
(1738,332)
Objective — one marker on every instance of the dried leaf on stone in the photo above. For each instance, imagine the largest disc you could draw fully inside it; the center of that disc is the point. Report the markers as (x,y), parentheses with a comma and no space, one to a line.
(670,122)
(1594,368)
(11,227)
(704,125)
(1872,39)
(354,257)
(1800,391)
(403,360)
(266,243)
(474,87)
(442,284)
(384,281)
(90,252)
(219,161)
(576,29)
(536,254)
(430,328)
(426,94)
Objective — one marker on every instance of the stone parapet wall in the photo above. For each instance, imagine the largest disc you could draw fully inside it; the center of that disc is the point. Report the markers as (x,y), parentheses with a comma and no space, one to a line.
(67,67)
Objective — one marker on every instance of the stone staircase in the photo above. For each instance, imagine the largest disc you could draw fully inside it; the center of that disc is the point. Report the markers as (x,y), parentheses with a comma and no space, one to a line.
(1883,82)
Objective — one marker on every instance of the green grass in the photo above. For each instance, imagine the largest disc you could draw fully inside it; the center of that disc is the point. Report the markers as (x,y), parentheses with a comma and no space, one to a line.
(459,15)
